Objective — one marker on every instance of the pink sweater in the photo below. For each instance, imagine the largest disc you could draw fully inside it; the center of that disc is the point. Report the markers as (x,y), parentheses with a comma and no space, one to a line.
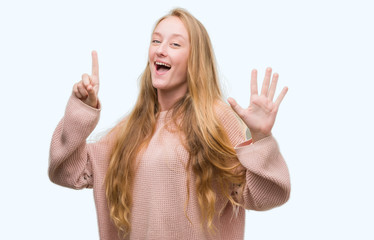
(160,190)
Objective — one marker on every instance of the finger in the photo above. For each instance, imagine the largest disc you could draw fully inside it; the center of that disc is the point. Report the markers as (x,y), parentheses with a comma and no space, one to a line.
(273,86)
(254,82)
(235,106)
(95,64)
(82,90)
(280,97)
(86,80)
(76,92)
(265,83)
(92,97)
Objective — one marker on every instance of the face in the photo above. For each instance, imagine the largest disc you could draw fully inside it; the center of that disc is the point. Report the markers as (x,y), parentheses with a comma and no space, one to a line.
(168,57)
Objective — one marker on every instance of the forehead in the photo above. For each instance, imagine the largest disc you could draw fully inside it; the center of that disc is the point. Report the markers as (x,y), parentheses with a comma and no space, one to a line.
(171,26)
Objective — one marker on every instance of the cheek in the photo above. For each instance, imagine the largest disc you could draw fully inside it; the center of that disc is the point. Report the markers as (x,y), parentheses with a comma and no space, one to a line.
(183,62)
(186,57)
(150,54)
(185,66)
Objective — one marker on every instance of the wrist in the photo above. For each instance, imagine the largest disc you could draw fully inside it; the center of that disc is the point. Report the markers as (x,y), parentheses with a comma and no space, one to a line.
(258,136)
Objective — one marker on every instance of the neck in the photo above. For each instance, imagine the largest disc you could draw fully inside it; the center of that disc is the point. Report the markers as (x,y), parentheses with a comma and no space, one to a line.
(167,99)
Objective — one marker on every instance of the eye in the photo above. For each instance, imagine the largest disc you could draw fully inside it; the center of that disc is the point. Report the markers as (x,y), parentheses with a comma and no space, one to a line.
(156,41)
(175,44)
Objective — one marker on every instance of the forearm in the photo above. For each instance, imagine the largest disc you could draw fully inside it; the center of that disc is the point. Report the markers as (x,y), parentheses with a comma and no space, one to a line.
(267,177)
(69,154)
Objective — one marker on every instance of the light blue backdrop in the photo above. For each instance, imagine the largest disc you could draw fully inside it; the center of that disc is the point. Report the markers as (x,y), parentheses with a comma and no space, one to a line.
(323,51)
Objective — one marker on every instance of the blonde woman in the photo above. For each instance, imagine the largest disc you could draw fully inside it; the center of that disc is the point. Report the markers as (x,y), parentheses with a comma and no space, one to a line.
(179,165)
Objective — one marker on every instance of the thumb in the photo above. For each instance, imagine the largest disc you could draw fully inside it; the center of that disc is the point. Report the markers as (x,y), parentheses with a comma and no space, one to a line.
(235,106)
(92,97)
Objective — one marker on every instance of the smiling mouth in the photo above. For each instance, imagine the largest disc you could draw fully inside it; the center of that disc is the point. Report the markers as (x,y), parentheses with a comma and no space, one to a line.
(162,67)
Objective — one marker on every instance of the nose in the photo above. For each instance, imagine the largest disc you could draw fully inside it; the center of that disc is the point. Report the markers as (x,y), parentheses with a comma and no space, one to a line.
(161,50)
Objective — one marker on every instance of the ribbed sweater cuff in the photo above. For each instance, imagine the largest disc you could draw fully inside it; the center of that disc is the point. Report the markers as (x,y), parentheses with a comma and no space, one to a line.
(261,152)
(80,119)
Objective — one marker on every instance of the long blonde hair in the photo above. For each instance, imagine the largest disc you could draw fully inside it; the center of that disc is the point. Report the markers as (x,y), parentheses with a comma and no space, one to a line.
(207,142)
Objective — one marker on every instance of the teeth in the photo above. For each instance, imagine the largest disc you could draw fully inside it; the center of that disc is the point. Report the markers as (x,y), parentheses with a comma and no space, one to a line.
(163,64)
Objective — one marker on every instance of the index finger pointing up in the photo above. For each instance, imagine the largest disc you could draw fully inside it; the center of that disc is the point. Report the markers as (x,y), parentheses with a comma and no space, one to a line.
(95,64)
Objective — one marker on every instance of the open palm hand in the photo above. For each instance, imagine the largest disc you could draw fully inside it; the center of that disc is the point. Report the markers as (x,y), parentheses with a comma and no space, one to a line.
(262,111)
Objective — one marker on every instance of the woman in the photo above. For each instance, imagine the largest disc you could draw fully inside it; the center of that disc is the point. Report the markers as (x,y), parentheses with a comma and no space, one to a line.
(169,170)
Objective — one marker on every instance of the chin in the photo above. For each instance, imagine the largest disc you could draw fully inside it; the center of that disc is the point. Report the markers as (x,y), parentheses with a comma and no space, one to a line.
(158,84)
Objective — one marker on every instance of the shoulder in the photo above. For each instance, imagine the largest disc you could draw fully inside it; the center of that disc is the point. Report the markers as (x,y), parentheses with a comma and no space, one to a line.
(226,114)
(110,136)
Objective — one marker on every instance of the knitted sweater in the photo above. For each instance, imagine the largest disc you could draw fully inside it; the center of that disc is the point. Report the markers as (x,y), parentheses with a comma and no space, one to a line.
(160,191)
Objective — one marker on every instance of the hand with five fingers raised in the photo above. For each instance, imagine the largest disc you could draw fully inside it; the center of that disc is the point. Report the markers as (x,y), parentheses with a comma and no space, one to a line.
(262,111)
(87,89)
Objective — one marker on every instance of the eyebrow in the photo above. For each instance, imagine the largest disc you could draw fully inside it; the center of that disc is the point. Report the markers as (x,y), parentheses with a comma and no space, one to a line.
(173,35)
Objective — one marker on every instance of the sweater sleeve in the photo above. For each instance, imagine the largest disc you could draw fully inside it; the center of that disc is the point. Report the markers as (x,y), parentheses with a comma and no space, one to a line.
(267,178)
(70,156)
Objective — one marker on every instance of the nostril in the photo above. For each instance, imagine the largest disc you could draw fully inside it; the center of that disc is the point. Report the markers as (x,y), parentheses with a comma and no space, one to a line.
(160,51)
